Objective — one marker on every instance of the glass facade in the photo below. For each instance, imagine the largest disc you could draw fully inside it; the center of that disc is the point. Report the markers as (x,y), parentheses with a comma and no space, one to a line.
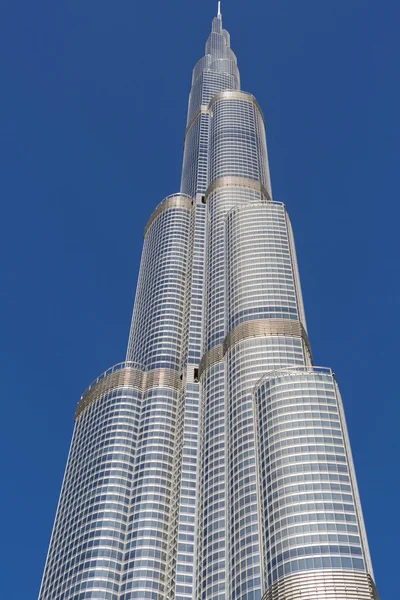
(214,464)
(87,551)
(311,514)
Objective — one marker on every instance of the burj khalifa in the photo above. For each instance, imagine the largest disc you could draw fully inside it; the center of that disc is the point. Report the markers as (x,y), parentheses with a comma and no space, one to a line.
(214,463)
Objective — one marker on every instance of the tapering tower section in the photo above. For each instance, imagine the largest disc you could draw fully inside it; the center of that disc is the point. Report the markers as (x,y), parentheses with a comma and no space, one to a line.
(214,464)
(215,72)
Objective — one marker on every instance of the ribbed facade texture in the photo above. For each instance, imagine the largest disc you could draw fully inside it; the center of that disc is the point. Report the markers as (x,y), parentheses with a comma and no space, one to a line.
(214,464)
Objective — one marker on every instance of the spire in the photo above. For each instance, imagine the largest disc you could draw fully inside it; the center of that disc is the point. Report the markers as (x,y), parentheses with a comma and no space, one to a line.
(219,10)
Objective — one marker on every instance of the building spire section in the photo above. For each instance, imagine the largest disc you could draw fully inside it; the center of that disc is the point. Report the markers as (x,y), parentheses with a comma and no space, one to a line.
(219,10)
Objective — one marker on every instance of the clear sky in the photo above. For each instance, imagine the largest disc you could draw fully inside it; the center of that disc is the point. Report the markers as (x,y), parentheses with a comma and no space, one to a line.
(93,107)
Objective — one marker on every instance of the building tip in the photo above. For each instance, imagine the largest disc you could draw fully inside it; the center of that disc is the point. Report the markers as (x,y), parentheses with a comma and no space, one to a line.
(219,9)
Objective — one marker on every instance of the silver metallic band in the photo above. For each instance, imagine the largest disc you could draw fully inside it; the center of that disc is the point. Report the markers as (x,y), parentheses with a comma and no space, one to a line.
(324,585)
(288,371)
(253,329)
(236,95)
(128,376)
(238,182)
(211,357)
(174,201)
(161,378)
(225,95)
(263,327)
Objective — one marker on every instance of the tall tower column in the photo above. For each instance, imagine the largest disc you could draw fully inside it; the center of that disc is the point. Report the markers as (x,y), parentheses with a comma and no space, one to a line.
(215,463)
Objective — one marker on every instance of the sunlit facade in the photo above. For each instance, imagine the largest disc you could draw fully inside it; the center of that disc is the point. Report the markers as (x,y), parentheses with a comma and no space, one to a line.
(214,464)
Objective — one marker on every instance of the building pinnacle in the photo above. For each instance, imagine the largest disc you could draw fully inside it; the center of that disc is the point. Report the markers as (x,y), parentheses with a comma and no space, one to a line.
(219,10)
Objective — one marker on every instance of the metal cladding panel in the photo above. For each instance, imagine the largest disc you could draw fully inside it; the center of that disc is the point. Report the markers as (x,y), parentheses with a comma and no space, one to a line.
(326,585)
(253,329)
(174,201)
(121,375)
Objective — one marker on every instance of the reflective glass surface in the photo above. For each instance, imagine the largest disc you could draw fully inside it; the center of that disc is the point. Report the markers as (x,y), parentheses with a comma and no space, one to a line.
(309,497)
(220,468)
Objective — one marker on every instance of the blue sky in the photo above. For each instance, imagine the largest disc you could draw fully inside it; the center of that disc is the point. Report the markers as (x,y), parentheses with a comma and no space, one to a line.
(93,103)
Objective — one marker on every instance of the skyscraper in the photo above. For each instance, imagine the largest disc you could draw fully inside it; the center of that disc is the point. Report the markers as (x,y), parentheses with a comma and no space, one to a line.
(214,463)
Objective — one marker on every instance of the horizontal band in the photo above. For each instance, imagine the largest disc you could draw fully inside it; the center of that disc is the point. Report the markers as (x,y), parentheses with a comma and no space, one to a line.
(235,95)
(253,329)
(162,378)
(324,585)
(238,182)
(289,371)
(127,375)
(224,95)
(263,327)
(211,357)
(173,201)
